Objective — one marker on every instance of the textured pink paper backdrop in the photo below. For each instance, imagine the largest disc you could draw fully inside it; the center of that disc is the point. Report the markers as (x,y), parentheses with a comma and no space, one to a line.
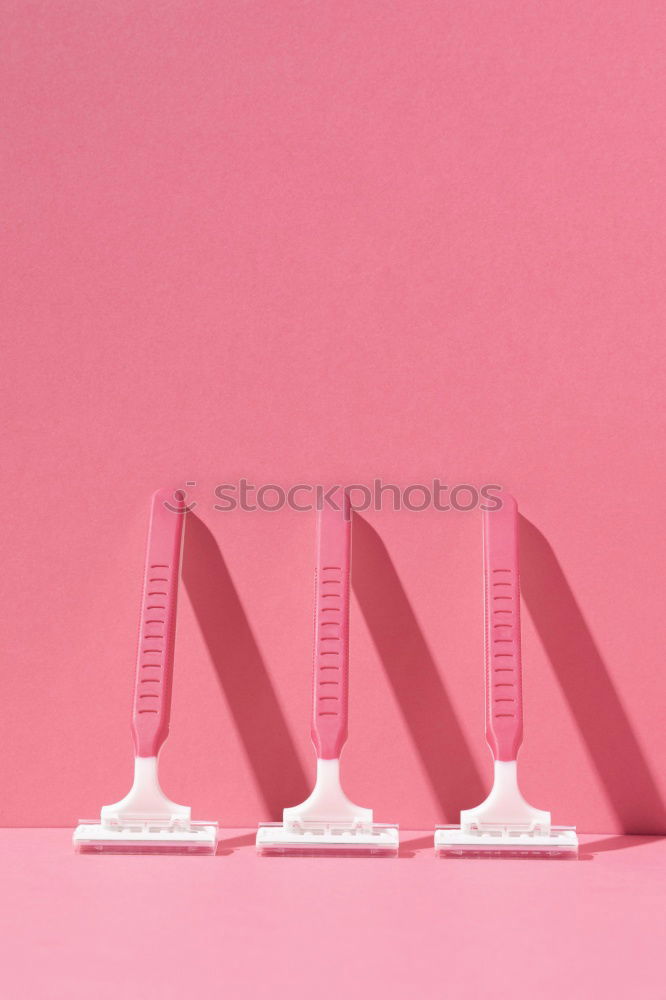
(327,242)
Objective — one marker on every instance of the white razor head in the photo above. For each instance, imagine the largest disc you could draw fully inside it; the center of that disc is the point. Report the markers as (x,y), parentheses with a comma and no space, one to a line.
(505,825)
(328,823)
(146,821)
(452,841)
(337,839)
(145,837)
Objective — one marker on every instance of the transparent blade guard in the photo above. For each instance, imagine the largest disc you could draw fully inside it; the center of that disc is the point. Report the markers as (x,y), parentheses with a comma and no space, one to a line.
(328,822)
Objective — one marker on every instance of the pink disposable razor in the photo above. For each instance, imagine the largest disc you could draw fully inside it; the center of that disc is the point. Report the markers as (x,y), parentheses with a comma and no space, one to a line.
(328,820)
(146,820)
(505,823)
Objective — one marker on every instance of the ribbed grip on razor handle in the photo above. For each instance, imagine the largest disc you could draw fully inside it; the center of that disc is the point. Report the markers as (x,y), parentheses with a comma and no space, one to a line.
(157,625)
(504,697)
(331,633)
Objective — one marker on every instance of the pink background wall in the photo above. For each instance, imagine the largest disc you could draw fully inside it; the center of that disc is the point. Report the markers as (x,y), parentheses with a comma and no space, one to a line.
(332,241)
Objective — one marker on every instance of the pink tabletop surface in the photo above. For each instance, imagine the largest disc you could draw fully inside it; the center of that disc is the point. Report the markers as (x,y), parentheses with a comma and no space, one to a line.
(246,927)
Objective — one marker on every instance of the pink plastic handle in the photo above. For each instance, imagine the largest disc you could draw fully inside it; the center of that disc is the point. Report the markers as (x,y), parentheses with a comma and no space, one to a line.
(504,696)
(157,627)
(331,639)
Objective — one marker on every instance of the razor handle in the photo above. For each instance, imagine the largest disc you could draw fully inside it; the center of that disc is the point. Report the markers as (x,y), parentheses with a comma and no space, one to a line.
(503,669)
(331,628)
(157,625)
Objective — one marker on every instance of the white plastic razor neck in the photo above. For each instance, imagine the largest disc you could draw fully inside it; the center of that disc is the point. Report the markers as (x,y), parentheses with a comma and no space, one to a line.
(328,803)
(505,807)
(145,801)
